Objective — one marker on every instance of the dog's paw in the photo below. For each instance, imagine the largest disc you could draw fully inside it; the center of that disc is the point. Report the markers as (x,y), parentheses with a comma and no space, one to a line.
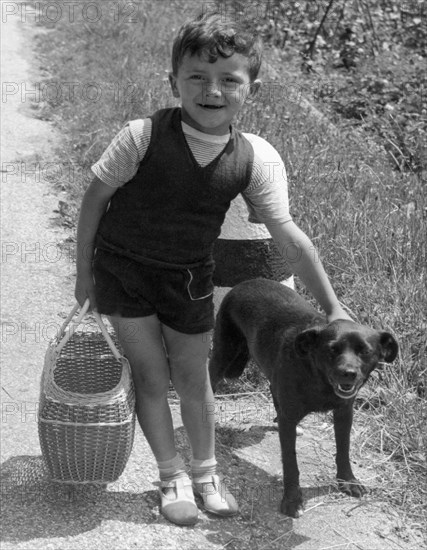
(292,505)
(352,487)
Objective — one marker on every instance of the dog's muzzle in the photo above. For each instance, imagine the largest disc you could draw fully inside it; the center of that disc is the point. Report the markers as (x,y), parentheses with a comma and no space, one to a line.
(348,384)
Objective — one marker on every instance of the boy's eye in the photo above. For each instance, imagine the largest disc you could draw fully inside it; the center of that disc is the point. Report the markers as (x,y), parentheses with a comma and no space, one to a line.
(196,77)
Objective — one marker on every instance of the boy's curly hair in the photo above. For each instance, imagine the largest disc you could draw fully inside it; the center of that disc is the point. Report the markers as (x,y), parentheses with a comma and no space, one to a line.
(211,35)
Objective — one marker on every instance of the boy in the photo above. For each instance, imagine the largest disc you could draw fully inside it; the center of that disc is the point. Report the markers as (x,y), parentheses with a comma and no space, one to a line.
(147,226)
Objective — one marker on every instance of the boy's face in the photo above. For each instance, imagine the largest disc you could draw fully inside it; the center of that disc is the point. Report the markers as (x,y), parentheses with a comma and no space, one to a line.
(212,93)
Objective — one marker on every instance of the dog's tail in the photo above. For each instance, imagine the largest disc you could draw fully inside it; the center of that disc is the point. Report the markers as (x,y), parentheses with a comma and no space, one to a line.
(230,352)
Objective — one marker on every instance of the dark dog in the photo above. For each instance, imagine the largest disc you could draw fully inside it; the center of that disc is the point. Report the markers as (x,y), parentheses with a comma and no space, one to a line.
(311,366)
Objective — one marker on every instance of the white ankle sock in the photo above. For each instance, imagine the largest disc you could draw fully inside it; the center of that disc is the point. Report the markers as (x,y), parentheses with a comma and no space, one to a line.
(203,469)
(172,469)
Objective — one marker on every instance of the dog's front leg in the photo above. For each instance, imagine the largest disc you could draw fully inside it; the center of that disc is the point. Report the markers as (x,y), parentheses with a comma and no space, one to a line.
(292,501)
(343,419)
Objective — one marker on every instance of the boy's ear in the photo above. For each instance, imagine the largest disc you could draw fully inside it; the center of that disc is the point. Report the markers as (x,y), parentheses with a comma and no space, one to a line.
(254,88)
(172,82)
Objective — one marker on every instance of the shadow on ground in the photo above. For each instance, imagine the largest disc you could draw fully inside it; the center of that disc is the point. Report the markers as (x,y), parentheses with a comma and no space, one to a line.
(33,507)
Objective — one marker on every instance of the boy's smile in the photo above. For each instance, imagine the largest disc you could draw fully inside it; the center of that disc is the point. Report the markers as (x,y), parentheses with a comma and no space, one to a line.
(212,93)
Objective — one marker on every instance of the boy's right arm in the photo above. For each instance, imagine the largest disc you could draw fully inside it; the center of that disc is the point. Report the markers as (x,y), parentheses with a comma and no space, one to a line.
(94,204)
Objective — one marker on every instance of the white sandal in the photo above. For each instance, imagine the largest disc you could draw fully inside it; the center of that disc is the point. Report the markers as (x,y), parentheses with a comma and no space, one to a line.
(216,499)
(180,508)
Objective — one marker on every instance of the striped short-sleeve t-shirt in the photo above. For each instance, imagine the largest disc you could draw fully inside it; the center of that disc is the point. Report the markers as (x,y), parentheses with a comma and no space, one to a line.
(266,195)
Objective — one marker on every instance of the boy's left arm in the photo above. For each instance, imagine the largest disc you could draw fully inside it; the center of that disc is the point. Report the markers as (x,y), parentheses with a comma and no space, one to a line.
(267,199)
(302,256)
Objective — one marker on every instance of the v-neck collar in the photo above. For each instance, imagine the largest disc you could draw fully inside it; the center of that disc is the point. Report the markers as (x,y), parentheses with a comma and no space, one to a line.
(210,138)
(178,126)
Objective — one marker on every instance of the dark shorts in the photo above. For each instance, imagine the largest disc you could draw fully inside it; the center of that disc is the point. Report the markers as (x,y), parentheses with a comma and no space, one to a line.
(181,298)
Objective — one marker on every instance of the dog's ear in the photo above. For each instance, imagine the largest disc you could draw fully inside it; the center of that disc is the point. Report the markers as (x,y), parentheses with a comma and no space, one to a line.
(305,341)
(389,347)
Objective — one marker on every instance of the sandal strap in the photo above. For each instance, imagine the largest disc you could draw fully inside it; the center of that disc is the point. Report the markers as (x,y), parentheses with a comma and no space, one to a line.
(181,482)
(213,479)
(179,486)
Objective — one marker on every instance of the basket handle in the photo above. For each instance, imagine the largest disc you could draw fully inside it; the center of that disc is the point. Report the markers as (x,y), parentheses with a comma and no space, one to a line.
(66,334)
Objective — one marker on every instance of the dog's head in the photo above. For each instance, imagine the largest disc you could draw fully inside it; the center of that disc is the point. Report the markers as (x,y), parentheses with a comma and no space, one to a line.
(346,353)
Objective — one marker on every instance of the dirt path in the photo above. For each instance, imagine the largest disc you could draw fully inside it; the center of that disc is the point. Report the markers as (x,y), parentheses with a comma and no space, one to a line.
(37,290)
(36,275)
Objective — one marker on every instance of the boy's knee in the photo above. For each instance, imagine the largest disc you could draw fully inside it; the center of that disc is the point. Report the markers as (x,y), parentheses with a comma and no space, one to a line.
(151,387)
(191,385)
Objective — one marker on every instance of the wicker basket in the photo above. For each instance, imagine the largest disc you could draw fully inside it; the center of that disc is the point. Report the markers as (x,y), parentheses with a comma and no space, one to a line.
(87,405)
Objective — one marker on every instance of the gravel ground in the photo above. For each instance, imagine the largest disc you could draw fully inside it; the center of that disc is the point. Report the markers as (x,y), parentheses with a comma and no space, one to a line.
(36,294)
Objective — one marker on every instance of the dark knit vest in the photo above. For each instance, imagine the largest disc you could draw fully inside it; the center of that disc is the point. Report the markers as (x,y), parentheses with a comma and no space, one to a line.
(173,209)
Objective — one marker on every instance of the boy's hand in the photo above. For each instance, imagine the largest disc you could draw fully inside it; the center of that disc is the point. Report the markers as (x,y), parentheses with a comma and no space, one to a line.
(85,288)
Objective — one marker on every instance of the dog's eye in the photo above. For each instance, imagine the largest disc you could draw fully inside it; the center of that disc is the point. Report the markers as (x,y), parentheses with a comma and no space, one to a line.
(363,352)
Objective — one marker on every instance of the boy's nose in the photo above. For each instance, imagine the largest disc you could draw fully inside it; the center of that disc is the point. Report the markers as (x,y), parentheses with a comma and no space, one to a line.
(212,89)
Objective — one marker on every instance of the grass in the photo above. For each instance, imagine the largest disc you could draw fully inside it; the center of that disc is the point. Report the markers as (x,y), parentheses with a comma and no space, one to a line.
(367,219)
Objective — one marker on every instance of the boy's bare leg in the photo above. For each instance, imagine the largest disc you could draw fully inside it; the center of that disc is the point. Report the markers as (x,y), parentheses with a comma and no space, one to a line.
(188,354)
(142,343)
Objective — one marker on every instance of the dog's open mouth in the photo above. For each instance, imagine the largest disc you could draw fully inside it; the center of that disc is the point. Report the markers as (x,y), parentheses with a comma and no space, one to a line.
(346,391)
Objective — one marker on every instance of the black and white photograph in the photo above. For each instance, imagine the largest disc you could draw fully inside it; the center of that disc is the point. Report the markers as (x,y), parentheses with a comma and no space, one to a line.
(229,353)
